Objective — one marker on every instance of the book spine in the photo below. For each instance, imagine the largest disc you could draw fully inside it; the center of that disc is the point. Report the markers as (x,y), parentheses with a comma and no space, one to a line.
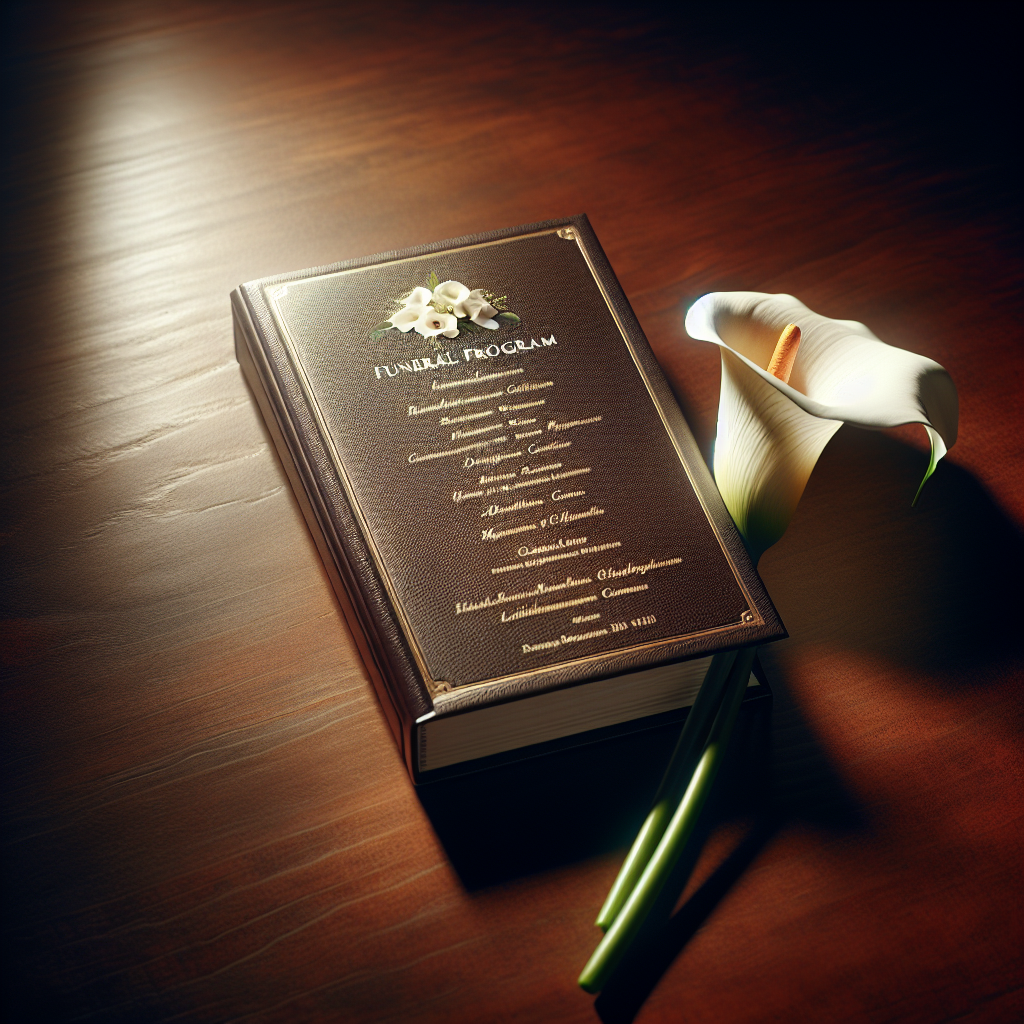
(255,362)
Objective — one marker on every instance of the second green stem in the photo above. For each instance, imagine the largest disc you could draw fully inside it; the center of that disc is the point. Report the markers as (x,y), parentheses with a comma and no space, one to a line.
(677,776)
(658,869)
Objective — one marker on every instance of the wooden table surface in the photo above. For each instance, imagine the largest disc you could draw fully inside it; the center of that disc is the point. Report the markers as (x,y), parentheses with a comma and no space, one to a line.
(206,818)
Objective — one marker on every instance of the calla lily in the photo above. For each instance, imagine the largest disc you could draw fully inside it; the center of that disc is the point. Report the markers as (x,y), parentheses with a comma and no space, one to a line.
(405,319)
(419,296)
(449,296)
(770,433)
(431,323)
(414,306)
(479,310)
(445,308)
(455,297)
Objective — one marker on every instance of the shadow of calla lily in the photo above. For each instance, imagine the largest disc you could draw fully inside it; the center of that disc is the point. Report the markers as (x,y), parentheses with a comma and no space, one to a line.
(775,773)
(660,942)
(933,588)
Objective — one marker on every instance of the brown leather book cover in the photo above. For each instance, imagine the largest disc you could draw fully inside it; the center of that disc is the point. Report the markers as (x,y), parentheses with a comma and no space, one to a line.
(498,477)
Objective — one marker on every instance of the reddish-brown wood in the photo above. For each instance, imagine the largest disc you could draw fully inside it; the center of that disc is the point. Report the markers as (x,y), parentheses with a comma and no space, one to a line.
(206,818)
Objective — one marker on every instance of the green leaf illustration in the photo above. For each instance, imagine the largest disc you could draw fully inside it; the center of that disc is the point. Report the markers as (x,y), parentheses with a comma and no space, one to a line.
(469,327)
(432,281)
(386,326)
(508,318)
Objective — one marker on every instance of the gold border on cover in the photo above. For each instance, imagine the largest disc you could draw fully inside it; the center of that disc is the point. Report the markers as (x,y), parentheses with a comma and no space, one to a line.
(437,687)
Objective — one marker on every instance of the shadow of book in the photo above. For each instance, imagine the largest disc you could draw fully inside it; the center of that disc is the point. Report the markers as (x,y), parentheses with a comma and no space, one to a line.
(539,814)
(543,812)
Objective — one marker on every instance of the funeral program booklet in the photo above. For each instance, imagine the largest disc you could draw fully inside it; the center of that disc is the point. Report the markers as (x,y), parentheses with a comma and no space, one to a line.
(512,509)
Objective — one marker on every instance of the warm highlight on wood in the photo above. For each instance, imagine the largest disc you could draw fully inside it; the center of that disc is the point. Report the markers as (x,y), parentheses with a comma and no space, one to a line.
(784,356)
(205,816)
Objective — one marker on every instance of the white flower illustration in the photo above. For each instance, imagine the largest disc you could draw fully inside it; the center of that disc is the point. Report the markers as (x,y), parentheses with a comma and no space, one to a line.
(465,304)
(431,323)
(479,310)
(447,308)
(414,305)
(417,297)
(770,434)
(405,319)
(450,295)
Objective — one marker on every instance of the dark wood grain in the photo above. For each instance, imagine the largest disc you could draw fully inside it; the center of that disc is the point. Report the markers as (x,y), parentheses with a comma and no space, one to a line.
(205,815)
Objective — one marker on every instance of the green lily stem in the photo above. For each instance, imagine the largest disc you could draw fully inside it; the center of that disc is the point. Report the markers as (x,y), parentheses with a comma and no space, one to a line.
(677,775)
(640,901)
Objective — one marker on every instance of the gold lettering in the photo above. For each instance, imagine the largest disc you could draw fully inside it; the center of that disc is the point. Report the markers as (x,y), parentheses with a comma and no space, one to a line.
(555,425)
(610,592)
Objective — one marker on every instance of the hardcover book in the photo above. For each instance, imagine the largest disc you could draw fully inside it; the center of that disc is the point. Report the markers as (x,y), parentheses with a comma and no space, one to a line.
(511,508)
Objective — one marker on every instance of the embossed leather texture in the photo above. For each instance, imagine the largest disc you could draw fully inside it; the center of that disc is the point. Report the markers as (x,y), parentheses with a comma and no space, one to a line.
(508,511)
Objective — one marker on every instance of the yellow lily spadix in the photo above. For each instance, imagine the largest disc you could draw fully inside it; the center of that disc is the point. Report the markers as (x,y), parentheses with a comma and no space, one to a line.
(771,433)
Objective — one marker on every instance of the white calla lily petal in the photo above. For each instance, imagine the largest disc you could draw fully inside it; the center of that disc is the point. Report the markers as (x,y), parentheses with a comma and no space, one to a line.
(451,294)
(770,434)
(431,323)
(417,297)
(479,310)
(405,319)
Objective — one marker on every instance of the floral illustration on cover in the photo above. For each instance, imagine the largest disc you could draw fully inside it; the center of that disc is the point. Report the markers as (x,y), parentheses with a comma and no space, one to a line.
(446,309)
